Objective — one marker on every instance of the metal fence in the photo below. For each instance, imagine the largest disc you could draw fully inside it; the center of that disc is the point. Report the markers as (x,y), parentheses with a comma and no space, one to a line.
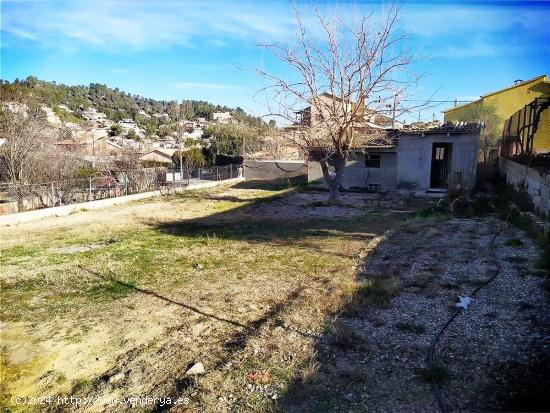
(16,198)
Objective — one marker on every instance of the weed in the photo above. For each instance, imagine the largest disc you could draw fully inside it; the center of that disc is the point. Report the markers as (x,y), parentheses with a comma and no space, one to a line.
(308,374)
(80,386)
(410,327)
(544,259)
(113,289)
(491,315)
(450,286)
(514,242)
(353,375)
(523,305)
(516,259)
(380,291)
(346,338)
(435,373)
(422,280)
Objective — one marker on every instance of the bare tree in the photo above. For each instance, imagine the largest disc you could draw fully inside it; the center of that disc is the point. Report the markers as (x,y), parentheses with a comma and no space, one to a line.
(24,131)
(178,114)
(28,154)
(486,114)
(338,82)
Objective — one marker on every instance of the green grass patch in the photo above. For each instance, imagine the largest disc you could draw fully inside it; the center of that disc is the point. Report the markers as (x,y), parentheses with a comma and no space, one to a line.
(113,289)
(514,242)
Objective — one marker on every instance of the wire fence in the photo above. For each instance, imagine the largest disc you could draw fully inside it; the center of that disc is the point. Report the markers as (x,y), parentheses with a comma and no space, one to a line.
(27,197)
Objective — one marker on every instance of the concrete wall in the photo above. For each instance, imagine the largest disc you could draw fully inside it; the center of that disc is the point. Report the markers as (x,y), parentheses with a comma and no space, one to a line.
(357,175)
(537,185)
(271,170)
(386,175)
(414,157)
(26,216)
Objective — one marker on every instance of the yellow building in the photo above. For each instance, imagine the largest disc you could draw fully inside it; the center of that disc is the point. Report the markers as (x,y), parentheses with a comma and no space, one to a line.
(512,100)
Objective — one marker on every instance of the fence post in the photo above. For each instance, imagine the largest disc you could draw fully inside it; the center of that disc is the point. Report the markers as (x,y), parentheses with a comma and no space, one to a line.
(199,174)
(230,170)
(53,195)
(90,188)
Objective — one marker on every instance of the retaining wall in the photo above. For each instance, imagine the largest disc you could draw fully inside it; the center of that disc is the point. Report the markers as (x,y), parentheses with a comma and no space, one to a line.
(536,184)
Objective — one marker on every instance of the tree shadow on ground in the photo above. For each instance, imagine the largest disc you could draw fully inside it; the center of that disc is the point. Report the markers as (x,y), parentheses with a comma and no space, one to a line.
(247,223)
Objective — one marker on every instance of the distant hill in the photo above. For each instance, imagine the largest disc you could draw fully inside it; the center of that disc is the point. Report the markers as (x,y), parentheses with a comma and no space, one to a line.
(115,103)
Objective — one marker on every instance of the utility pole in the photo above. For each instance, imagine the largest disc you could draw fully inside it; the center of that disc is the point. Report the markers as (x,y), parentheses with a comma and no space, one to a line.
(181,160)
(393,116)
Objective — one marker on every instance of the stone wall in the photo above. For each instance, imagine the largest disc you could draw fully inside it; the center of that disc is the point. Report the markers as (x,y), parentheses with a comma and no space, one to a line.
(536,184)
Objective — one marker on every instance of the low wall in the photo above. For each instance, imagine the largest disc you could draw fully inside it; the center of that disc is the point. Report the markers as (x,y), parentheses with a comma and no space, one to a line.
(537,185)
(26,216)
(271,170)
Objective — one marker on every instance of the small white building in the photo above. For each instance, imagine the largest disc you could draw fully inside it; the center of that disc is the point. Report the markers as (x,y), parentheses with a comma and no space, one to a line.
(92,114)
(222,117)
(127,122)
(158,155)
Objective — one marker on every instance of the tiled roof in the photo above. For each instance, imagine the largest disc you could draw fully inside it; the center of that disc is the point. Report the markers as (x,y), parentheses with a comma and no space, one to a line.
(437,127)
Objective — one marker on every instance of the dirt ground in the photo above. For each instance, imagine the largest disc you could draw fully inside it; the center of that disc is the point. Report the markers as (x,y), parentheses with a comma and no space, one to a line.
(261,288)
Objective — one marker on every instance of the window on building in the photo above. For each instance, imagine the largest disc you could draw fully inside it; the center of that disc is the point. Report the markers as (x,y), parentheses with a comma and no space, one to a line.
(372,160)
(439,154)
(373,187)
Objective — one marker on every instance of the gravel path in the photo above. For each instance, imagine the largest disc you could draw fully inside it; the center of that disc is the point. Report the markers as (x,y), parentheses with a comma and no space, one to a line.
(430,264)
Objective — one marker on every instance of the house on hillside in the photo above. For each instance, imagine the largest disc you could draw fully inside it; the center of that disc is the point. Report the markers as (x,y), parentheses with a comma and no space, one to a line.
(101,146)
(91,114)
(71,145)
(417,158)
(161,156)
(509,101)
(315,114)
(222,117)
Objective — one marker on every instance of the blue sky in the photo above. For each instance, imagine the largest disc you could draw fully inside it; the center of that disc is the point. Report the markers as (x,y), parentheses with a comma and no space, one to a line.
(202,49)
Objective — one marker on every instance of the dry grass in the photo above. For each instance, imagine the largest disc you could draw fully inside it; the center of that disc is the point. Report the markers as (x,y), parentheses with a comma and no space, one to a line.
(120,302)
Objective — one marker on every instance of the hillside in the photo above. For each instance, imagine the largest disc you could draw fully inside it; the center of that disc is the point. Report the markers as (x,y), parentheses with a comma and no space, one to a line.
(115,103)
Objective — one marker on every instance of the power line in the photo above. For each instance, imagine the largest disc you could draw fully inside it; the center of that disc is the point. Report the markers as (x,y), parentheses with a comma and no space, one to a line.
(437,101)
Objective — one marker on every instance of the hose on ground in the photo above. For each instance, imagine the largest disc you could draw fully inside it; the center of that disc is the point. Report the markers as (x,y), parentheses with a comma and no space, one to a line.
(436,387)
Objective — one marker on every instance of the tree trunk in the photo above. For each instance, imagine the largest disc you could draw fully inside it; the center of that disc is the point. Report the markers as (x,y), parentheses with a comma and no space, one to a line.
(334,183)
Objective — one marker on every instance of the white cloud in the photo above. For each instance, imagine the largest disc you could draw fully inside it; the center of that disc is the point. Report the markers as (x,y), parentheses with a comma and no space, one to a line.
(431,20)
(450,31)
(143,24)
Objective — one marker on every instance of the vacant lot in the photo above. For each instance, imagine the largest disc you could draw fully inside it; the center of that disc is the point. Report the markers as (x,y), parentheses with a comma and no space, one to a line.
(261,287)
(120,302)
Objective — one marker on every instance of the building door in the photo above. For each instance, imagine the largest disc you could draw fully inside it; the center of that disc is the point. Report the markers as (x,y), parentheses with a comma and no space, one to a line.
(441,155)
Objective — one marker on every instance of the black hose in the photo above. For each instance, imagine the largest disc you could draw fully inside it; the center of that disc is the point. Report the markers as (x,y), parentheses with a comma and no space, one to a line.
(436,388)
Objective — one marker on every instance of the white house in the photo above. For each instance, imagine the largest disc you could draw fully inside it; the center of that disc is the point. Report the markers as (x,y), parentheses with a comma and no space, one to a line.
(92,114)
(222,117)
